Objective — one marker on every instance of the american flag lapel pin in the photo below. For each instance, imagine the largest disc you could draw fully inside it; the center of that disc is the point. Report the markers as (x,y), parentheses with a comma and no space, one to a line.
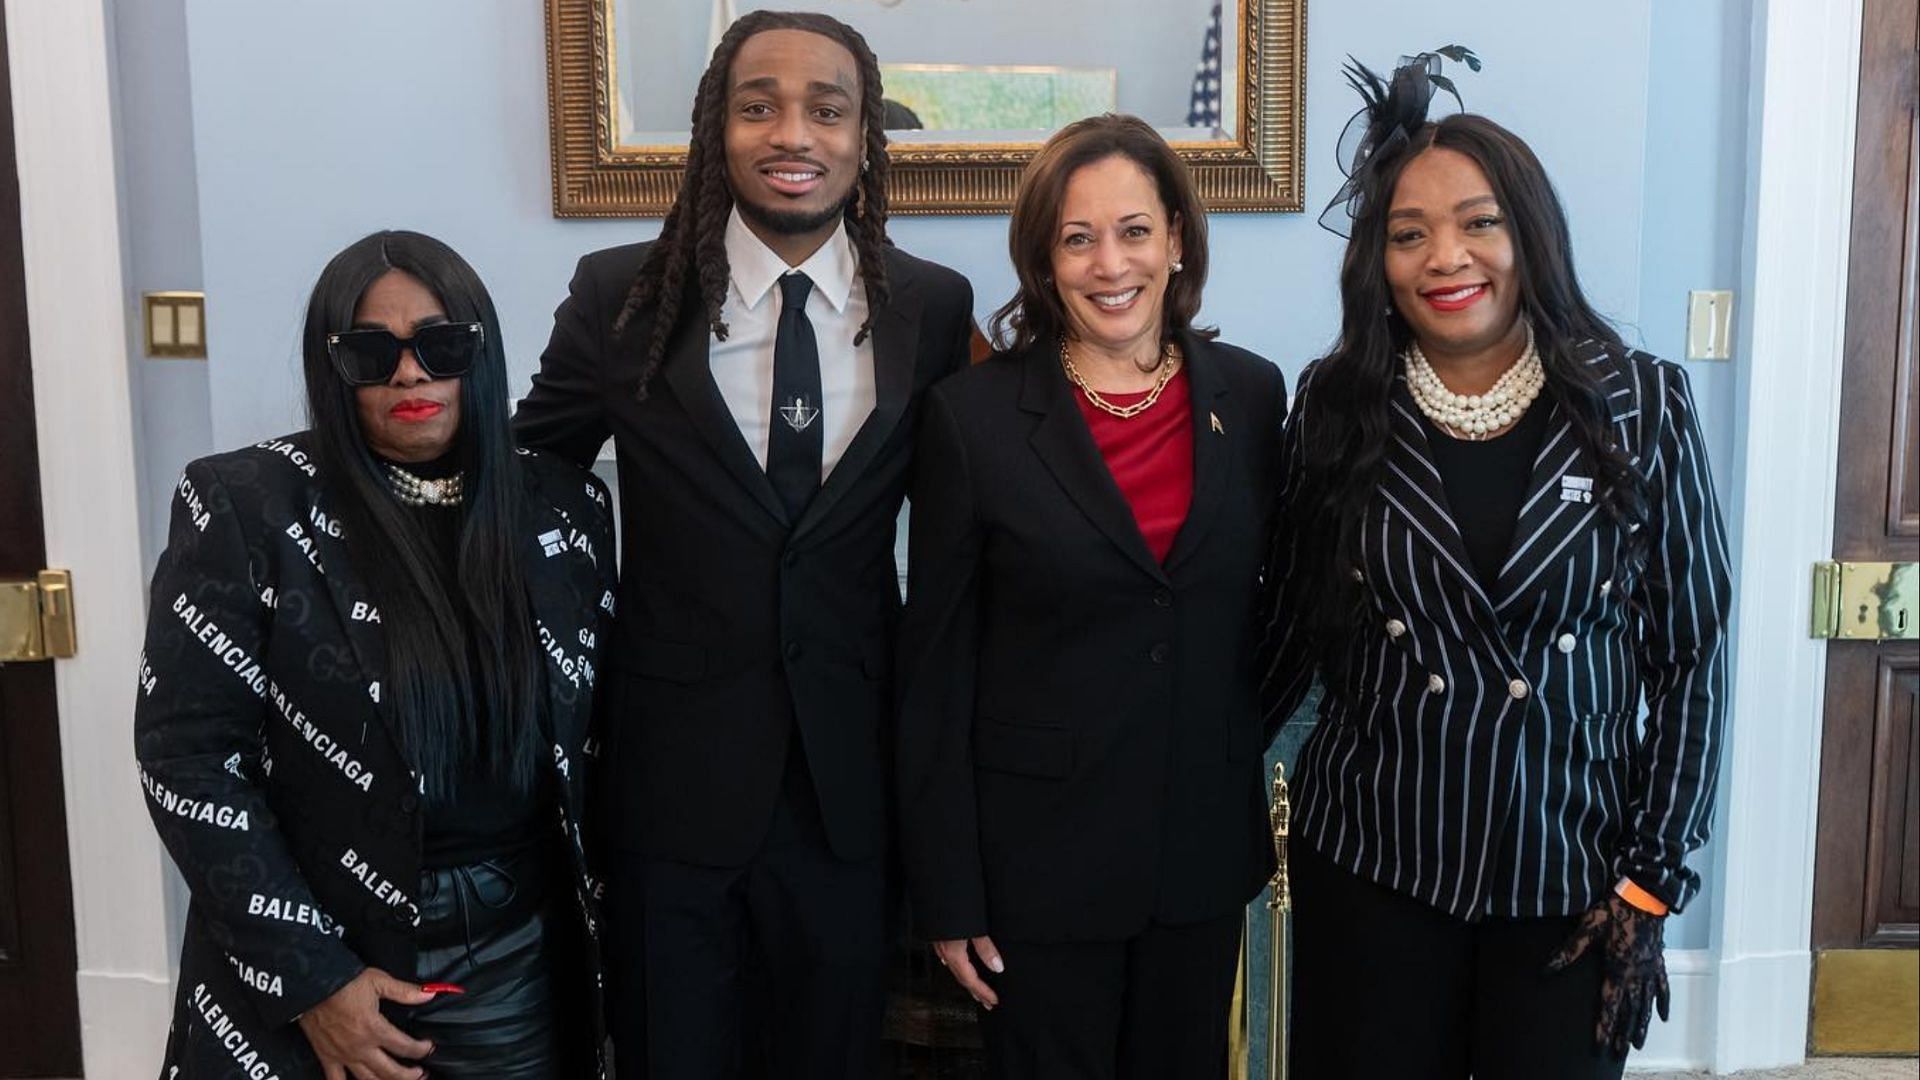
(1214,419)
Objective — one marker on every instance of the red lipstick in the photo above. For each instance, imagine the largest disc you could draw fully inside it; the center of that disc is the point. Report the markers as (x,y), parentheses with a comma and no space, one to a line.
(415,410)
(1456,298)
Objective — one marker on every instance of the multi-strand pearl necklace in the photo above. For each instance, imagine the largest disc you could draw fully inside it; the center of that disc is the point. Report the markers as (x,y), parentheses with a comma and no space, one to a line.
(1476,417)
(420,491)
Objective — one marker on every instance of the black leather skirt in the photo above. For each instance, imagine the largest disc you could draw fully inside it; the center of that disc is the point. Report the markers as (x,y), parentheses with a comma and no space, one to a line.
(488,928)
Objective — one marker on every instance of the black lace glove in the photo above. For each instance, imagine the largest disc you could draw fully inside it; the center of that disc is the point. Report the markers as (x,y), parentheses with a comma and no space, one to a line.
(1633,970)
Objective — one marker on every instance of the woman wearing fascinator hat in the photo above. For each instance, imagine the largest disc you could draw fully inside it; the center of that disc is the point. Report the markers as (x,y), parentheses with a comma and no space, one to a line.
(1497,540)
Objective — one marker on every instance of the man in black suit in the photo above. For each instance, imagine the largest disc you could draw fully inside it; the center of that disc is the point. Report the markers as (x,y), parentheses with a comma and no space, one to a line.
(759,368)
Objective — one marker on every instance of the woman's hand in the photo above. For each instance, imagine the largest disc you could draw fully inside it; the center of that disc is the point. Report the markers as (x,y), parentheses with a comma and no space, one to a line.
(1633,970)
(351,1038)
(953,954)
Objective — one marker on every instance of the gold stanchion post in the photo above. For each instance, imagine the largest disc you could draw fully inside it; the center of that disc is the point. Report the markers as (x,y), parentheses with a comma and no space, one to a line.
(1279,905)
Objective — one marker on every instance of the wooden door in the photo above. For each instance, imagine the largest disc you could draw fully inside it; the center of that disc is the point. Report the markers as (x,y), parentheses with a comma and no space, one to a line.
(39,1006)
(1866,922)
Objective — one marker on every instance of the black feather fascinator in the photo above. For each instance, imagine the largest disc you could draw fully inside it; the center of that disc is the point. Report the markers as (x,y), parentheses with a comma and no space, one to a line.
(1391,113)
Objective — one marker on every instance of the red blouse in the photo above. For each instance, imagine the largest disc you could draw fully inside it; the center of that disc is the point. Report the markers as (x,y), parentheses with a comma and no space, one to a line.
(1150,456)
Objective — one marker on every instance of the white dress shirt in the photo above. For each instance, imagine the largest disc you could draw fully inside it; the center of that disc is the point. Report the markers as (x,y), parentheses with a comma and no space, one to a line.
(837,305)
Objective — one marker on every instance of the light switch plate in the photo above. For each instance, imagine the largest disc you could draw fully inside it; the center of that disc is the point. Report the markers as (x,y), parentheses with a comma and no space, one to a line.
(1710,324)
(176,324)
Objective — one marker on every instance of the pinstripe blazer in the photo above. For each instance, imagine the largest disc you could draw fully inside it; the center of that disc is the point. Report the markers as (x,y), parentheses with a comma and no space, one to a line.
(1483,751)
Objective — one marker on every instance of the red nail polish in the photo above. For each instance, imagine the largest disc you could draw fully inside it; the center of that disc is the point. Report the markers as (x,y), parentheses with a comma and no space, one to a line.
(443,988)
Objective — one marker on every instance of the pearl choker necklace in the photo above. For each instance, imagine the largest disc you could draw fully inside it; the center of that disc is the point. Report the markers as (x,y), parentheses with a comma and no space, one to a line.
(419,491)
(1471,417)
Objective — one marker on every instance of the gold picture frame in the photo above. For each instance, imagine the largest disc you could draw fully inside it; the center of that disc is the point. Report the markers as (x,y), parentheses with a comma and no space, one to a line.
(1259,169)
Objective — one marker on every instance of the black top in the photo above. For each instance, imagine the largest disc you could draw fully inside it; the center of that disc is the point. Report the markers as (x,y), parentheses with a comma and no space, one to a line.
(486,816)
(1486,482)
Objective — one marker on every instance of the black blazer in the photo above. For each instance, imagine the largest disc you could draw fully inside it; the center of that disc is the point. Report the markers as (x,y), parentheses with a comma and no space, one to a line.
(735,622)
(268,765)
(1080,745)
(1481,751)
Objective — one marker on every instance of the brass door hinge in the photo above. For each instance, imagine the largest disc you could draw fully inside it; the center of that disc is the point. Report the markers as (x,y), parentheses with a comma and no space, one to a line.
(36,617)
(1866,601)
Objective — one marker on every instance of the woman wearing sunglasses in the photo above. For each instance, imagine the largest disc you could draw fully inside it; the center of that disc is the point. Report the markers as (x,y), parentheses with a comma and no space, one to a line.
(364,706)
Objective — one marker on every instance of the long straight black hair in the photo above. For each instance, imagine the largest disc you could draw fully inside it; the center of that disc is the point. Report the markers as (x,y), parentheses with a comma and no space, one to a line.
(463,680)
(1346,427)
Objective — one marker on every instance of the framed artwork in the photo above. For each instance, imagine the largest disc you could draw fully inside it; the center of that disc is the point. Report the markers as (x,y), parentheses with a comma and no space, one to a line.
(973,88)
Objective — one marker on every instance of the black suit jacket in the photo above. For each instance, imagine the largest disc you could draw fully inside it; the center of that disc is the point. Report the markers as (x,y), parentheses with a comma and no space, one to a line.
(735,622)
(1481,749)
(1080,744)
(264,750)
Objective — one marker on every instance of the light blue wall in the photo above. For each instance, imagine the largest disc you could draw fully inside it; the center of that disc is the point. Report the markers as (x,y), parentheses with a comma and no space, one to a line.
(1694,193)
(345,123)
(160,233)
(312,124)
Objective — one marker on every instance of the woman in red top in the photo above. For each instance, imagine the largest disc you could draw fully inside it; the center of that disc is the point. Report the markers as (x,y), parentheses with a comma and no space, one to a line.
(1079,749)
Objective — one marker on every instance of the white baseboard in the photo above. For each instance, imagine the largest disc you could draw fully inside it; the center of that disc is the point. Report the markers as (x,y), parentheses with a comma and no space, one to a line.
(1685,1041)
(1764,1000)
(123,1024)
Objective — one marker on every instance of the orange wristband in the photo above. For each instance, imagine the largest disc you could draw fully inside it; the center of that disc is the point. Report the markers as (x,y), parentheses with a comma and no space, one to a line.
(1639,897)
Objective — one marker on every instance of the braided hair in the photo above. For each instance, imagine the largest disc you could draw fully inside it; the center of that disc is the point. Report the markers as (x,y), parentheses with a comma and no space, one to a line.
(691,251)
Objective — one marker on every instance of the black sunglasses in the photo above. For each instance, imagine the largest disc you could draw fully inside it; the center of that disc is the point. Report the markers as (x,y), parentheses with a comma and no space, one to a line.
(370,357)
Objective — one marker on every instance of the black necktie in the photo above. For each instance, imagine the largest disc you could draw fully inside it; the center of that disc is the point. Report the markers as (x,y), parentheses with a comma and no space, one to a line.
(793,446)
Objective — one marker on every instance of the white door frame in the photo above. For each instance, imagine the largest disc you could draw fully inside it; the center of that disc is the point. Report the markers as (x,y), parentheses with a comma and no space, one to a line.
(60,58)
(1805,65)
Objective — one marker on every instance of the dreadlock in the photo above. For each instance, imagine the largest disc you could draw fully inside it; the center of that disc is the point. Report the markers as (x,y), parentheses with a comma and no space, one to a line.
(693,236)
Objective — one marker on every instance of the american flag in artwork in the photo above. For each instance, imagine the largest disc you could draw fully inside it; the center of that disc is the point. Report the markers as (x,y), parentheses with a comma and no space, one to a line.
(1203,107)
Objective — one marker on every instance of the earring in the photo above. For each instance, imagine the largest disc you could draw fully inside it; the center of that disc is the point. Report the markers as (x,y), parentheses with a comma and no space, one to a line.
(860,202)
(865,165)
(1177,267)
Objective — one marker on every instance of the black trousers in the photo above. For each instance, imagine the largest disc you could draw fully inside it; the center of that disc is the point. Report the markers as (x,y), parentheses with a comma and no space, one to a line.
(1386,986)
(1153,1006)
(772,969)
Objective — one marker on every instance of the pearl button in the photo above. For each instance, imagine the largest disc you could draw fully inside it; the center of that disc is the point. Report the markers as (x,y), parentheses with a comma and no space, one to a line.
(1566,643)
(1436,685)
(1395,628)
(1518,689)
(1357,575)
(1606,587)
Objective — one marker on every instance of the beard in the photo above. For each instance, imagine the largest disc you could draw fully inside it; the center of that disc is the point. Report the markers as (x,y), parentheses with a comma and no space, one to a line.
(794,222)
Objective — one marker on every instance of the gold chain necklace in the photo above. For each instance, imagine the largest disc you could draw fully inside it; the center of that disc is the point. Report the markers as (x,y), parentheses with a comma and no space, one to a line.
(1168,362)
